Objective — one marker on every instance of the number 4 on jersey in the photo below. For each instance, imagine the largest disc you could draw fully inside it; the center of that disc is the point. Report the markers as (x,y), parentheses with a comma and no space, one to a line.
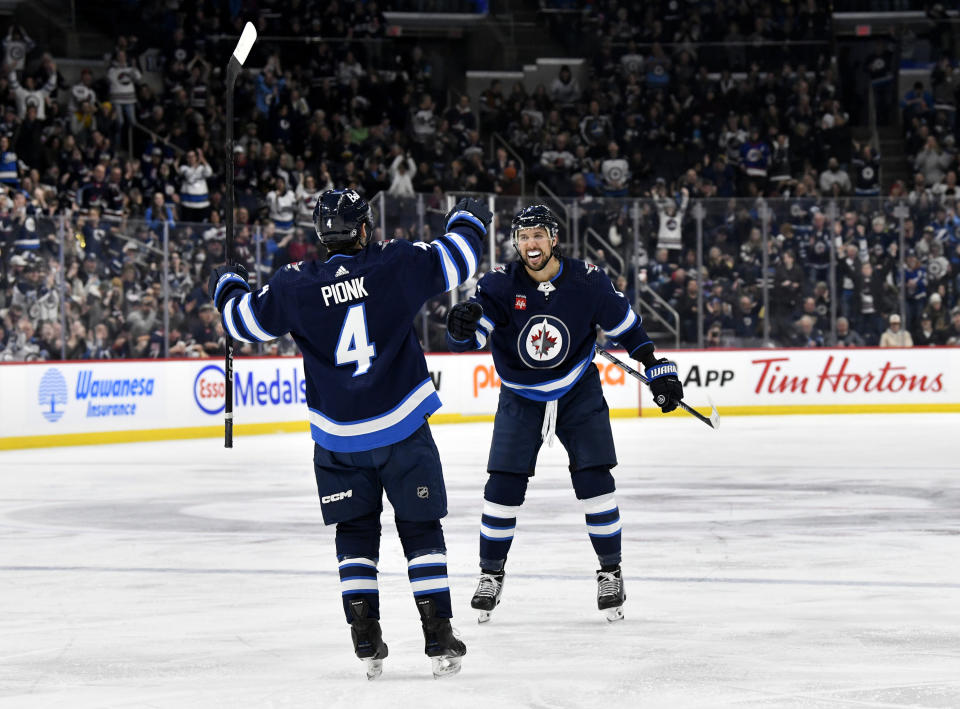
(354,345)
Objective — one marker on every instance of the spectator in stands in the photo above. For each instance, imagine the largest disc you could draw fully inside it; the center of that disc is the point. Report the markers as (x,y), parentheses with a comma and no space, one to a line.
(952,336)
(845,336)
(123,80)
(564,91)
(932,161)
(916,103)
(834,180)
(807,334)
(194,191)
(925,335)
(894,336)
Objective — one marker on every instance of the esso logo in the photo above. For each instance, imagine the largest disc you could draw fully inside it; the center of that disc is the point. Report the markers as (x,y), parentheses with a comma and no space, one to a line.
(544,342)
(209,389)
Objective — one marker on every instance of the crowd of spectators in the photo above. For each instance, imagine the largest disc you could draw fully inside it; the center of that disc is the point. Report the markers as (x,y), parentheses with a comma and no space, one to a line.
(649,125)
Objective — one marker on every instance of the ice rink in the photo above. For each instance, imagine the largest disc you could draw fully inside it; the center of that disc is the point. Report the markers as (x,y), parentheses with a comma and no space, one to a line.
(805,561)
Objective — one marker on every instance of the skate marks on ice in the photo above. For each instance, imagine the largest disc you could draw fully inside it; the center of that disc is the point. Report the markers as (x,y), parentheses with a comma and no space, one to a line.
(795,562)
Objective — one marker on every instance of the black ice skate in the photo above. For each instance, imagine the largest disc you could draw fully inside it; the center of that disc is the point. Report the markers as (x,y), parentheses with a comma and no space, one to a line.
(487,595)
(610,594)
(367,638)
(442,646)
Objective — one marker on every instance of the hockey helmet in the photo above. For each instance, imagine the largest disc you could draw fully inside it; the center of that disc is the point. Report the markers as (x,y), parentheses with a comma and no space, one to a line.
(338,218)
(533,216)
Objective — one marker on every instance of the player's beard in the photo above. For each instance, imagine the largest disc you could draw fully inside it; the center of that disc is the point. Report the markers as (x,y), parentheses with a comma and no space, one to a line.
(543,263)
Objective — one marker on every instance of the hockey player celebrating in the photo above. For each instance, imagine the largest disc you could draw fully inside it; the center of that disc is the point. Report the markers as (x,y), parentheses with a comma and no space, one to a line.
(541,315)
(369,395)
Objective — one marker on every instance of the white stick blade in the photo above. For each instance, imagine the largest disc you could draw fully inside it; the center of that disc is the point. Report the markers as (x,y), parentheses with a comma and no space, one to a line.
(245,44)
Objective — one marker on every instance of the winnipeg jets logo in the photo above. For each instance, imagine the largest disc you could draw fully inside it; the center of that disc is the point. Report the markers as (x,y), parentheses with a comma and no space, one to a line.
(544,342)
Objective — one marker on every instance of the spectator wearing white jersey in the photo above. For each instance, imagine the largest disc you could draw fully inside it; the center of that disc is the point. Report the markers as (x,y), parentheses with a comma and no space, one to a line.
(307,195)
(283,205)
(16,45)
(194,193)
(123,90)
(82,91)
(28,95)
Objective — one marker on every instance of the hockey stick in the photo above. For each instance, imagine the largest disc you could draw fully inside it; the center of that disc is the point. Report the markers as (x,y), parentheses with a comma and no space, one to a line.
(239,56)
(713,421)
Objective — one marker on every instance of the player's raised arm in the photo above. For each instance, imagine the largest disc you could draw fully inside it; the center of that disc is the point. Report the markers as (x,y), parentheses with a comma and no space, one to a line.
(246,316)
(621,324)
(454,257)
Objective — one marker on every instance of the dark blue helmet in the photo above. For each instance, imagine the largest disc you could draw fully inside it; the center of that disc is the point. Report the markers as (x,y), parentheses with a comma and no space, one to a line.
(338,218)
(535,215)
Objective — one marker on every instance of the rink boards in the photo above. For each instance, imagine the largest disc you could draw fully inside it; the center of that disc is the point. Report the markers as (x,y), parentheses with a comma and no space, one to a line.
(76,403)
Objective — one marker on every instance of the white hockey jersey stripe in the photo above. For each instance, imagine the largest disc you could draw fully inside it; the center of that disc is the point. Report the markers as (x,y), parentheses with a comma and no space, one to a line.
(250,320)
(355,585)
(486,323)
(377,423)
(603,530)
(561,383)
(501,511)
(629,320)
(427,560)
(358,561)
(450,273)
(481,339)
(227,319)
(599,504)
(419,586)
(469,257)
(496,532)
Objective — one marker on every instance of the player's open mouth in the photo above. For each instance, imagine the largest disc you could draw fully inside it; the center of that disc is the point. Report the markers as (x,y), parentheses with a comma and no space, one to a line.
(534,256)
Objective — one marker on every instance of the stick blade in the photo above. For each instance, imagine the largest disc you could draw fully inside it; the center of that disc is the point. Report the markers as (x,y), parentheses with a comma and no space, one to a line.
(247,38)
(714,415)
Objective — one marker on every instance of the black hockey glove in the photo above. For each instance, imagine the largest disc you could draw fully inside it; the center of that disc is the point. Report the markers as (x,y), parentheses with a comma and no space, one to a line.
(665,384)
(225,281)
(470,210)
(462,321)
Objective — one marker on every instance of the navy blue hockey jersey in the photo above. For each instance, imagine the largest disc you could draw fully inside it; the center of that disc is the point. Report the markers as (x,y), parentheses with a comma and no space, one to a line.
(543,334)
(352,317)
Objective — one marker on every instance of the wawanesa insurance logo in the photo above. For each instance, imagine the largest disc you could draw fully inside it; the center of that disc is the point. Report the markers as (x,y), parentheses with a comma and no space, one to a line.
(52,395)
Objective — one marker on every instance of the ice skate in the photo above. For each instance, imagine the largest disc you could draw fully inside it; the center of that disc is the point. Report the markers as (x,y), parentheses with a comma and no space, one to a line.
(610,594)
(487,595)
(367,639)
(441,644)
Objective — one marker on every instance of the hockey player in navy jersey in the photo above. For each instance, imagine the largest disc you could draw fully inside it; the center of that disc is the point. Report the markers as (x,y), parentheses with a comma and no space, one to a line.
(541,316)
(369,395)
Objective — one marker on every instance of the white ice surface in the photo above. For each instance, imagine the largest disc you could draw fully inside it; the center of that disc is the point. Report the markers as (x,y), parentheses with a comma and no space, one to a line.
(780,562)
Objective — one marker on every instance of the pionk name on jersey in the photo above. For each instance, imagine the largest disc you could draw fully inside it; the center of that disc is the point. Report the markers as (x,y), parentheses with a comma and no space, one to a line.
(344,292)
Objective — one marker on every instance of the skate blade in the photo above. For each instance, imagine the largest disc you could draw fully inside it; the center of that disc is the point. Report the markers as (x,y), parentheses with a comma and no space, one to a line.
(484,616)
(613,614)
(374,668)
(445,666)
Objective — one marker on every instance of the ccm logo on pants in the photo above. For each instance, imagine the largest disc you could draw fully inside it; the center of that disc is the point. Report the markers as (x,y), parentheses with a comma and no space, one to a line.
(336,497)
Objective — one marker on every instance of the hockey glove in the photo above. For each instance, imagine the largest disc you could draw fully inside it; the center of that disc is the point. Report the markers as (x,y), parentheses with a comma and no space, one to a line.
(665,385)
(462,321)
(472,211)
(225,282)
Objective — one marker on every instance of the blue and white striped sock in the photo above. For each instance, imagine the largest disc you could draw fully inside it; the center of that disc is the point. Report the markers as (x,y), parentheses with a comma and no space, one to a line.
(603,526)
(428,577)
(358,579)
(497,526)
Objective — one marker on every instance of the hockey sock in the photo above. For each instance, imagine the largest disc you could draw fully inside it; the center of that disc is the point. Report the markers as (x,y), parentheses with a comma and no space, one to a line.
(358,548)
(427,563)
(502,497)
(595,489)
